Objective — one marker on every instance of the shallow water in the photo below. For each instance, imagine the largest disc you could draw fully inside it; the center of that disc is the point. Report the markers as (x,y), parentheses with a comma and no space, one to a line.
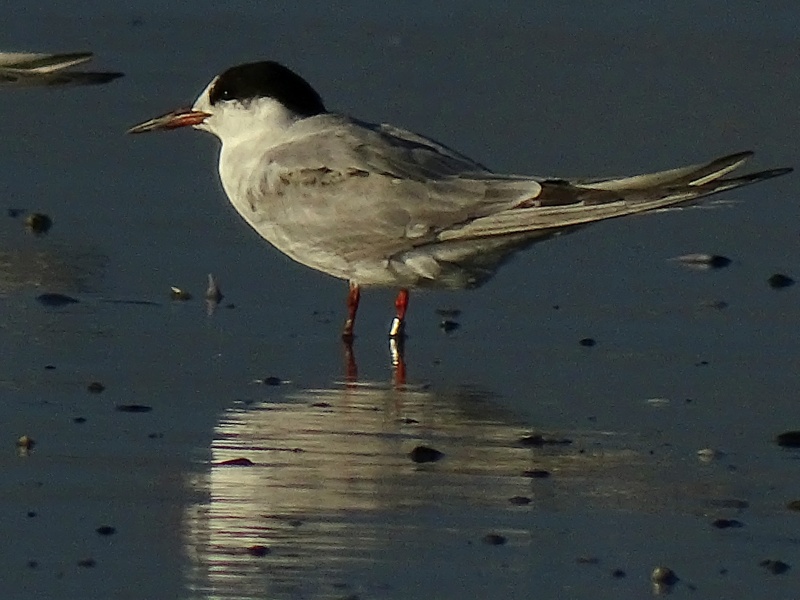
(332,492)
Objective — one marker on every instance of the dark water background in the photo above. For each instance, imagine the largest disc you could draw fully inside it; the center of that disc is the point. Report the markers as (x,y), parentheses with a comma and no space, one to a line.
(575,90)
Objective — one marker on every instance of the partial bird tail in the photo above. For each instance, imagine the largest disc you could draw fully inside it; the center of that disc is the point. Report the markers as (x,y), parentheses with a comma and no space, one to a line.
(569,203)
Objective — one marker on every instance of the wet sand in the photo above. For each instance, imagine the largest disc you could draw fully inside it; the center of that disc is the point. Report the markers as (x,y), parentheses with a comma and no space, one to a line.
(332,506)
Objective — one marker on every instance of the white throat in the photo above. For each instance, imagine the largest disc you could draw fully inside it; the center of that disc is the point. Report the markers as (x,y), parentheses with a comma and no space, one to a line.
(235,122)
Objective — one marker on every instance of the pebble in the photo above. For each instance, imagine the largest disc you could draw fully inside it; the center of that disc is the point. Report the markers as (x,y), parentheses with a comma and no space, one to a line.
(788,439)
(55,300)
(494,539)
(779,281)
(106,530)
(776,567)
(87,563)
(663,576)
(704,261)
(715,304)
(727,524)
(425,454)
(236,462)
(657,401)
(588,342)
(258,550)
(708,455)
(794,505)
(449,326)
(519,500)
(134,408)
(537,440)
(177,293)
(536,473)
(95,387)
(38,223)
(25,444)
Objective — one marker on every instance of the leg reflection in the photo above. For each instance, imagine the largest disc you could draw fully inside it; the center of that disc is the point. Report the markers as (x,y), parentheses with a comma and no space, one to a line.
(396,351)
(350,366)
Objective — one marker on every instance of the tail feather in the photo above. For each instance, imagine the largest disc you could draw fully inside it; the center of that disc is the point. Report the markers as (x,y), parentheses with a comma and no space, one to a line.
(691,175)
(566,204)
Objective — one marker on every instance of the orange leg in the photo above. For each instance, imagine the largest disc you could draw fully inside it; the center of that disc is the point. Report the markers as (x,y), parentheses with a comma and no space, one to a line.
(353,297)
(401,305)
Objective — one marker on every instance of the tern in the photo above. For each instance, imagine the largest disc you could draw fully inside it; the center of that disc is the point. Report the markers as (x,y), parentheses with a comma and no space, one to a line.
(377,205)
(34,68)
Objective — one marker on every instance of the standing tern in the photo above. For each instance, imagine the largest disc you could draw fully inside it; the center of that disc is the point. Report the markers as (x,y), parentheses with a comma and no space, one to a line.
(33,68)
(377,205)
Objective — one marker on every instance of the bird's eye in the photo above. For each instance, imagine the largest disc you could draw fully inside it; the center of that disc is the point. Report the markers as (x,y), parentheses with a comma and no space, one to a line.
(220,92)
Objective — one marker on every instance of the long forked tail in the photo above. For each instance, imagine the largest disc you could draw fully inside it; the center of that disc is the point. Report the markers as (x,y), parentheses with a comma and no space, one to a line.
(570,203)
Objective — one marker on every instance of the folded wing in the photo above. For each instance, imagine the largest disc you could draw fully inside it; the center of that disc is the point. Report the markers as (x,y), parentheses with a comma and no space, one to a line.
(568,203)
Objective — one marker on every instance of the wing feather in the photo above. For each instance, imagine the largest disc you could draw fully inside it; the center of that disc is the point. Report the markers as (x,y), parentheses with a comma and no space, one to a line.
(387,190)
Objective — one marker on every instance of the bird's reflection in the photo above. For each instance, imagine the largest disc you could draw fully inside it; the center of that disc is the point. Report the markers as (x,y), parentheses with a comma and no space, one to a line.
(309,491)
(326,459)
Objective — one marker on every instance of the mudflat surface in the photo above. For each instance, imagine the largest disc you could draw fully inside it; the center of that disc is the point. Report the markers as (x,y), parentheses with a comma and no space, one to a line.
(331,505)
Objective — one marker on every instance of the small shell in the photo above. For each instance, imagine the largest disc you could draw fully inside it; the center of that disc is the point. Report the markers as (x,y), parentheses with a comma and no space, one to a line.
(177,293)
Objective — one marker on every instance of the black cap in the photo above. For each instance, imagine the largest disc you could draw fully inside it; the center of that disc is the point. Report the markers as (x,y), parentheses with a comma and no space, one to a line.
(267,79)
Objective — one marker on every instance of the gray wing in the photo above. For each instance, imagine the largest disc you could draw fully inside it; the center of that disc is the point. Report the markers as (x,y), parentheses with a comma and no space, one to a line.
(435,216)
(379,187)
